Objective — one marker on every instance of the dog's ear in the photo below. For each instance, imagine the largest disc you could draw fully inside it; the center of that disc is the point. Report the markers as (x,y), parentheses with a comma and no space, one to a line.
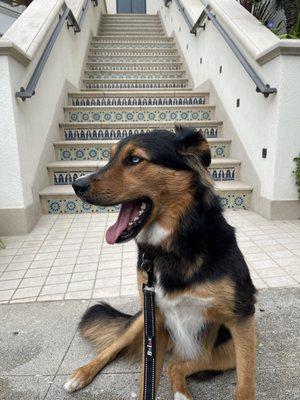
(193,146)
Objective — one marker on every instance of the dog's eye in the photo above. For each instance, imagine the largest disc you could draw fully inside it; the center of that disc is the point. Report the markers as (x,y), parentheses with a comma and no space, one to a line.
(133,160)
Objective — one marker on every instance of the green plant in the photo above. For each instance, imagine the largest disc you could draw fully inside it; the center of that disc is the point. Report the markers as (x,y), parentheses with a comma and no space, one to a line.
(297,173)
(295,34)
(266,12)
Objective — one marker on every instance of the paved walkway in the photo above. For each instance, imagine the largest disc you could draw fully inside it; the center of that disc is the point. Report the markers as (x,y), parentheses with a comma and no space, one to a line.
(40,346)
(66,257)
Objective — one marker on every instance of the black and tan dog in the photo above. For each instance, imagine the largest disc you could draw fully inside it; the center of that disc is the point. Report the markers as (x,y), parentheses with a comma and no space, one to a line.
(204,294)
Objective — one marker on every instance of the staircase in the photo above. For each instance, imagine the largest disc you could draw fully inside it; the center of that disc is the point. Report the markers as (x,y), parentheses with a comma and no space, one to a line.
(134,82)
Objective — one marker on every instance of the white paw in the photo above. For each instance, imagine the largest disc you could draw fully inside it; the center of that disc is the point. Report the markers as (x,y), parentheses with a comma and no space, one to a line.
(72,385)
(180,396)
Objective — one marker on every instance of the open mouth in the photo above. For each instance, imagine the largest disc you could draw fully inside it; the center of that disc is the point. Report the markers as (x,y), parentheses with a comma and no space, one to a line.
(131,219)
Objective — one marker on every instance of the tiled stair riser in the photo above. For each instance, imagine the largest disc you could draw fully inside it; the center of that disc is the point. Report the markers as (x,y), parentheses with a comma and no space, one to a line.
(67,176)
(101,151)
(117,133)
(137,33)
(162,114)
(133,59)
(132,67)
(138,100)
(121,84)
(134,75)
(131,53)
(130,46)
(72,204)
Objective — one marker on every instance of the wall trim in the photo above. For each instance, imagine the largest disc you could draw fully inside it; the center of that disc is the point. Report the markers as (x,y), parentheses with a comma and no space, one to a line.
(277,209)
(287,47)
(19,221)
(9,48)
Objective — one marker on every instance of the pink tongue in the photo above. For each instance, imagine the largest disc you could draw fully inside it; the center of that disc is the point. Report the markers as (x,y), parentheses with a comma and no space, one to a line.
(127,213)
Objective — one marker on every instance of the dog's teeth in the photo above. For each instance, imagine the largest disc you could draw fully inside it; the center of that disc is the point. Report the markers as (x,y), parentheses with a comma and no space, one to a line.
(141,212)
(136,219)
(143,206)
(130,223)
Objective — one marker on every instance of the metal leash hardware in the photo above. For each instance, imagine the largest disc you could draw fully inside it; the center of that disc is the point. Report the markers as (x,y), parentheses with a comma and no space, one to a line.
(149,331)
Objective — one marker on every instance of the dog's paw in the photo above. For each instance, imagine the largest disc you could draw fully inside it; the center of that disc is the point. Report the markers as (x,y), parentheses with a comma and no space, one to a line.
(72,385)
(79,379)
(180,396)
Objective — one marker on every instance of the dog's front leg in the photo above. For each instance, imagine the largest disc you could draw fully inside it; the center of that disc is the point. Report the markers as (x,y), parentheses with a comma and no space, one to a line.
(243,335)
(162,340)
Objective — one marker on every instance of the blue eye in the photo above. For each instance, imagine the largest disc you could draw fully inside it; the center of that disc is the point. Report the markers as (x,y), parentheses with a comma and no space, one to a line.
(133,160)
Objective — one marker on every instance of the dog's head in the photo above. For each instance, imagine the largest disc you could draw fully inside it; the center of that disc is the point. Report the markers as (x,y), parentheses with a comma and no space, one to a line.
(154,176)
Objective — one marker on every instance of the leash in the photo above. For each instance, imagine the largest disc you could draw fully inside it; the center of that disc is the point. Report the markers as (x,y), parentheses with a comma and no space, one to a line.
(149,330)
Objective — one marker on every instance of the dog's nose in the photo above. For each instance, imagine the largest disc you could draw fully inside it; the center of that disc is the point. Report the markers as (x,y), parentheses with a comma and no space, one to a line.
(80,186)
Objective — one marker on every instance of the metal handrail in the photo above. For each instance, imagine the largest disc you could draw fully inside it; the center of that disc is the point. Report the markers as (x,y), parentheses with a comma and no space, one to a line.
(65,15)
(261,87)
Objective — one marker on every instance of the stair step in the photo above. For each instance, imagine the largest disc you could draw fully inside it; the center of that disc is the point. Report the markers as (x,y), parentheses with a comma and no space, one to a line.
(134,67)
(131,32)
(158,27)
(113,59)
(131,25)
(65,172)
(70,150)
(129,16)
(140,98)
(130,39)
(133,75)
(109,131)
(92,84)
(175,114)
(131,46)
(132,52)
(57,199)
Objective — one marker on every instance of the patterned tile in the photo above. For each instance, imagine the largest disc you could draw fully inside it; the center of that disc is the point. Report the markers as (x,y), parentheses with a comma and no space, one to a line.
(134,85)
(72,206)
(138,101)
(101,152)
(131,53)
(84,153)
(134,75)
(130,45)
(112,58)
(234,200)
(167,115)
(111,133)
(223,174)
(132,67)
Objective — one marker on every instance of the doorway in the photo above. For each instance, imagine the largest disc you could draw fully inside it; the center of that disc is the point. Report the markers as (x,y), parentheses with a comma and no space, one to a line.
(131,6)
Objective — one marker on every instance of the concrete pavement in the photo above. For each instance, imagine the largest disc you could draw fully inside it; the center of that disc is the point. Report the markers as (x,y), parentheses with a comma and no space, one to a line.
(40,346)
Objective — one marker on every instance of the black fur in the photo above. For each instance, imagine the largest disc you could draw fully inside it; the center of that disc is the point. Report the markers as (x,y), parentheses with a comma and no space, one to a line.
(203,231)
(104,311)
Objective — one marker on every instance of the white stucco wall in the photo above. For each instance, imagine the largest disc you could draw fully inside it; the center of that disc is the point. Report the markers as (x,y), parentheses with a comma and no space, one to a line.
(111,6)
(259,122)
(30,127)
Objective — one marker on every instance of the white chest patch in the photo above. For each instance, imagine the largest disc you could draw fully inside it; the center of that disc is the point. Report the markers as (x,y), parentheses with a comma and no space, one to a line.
(154,234)
(184,321)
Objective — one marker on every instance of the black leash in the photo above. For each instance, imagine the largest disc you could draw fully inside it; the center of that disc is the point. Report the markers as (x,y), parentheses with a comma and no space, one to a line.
(149,330)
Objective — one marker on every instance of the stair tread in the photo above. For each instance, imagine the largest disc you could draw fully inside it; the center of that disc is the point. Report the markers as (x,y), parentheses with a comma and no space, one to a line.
(99,163)
(140,93)
(122,108)
(135,125)
(67,190)
(113,142)
(232,186)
